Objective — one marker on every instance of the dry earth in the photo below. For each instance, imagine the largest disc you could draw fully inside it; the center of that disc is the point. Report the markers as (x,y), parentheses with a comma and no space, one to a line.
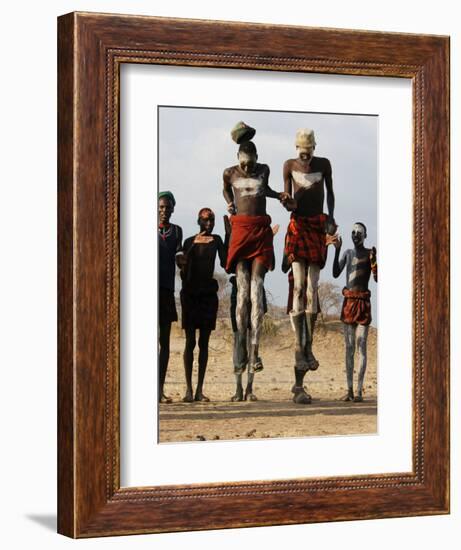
(274,414)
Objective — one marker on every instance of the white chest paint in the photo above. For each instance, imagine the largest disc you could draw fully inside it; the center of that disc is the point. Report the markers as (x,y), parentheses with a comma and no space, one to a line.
(307,180)
(249,187)
(356,261)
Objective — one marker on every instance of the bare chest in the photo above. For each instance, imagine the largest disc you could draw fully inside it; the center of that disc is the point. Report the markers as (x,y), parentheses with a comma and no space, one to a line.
(248,187)
(307,180)
(358,270)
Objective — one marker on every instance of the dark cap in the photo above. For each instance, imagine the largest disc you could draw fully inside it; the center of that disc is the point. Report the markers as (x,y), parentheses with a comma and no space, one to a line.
(242,132)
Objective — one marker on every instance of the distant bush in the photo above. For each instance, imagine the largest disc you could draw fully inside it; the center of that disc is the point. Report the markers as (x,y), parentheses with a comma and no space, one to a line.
(270,327)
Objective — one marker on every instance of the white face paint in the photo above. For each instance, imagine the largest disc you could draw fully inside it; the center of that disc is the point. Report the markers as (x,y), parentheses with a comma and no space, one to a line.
(247,162)
(249,187)
(358,233)
(243,157)
(305,153)
(307,180)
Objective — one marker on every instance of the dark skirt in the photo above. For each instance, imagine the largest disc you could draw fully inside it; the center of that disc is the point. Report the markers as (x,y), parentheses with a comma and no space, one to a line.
(200,307)
(166,306)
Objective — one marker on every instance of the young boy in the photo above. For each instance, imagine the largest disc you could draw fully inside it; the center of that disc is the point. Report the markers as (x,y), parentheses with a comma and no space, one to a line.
(360,263)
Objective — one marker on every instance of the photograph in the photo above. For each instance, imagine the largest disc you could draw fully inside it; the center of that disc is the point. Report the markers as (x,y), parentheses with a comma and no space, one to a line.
(267,273)
(278,166)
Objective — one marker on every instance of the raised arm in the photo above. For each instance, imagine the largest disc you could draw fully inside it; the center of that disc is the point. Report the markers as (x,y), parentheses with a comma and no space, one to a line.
(339,265)
(374,264)
(228,192)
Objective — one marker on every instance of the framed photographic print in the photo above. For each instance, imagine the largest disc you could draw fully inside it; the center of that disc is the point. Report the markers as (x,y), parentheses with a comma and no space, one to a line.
(227,356)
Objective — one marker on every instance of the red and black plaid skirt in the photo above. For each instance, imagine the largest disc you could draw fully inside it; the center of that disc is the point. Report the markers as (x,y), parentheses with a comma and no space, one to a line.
(306,239)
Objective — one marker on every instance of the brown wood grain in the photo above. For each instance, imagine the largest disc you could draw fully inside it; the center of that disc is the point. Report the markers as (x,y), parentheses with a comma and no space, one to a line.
(66,486)
(91,49)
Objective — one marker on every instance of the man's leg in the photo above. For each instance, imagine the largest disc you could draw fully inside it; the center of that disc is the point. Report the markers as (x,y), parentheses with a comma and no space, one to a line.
(258,271)
(188,357)
(299,285)
(362,336)
(163,358)
(298,323)
(297,316)
(240,356)
(203,342)
(249,395)
(312,308)
(349,337)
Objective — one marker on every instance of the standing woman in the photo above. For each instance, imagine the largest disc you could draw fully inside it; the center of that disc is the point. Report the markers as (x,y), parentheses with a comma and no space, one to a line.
(199,297)
(170,254)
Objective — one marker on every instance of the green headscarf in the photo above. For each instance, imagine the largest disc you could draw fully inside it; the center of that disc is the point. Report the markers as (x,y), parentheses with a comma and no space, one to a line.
(167,194)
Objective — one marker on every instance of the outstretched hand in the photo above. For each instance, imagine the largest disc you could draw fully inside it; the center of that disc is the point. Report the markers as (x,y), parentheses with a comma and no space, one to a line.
(335,240)
(373,255)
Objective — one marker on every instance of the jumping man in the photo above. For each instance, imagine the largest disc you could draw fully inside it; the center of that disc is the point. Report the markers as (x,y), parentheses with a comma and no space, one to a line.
(306,179)
(251,253)
(249,393)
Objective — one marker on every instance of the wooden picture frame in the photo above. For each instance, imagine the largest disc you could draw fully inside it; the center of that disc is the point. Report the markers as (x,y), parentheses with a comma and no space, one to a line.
(91,49)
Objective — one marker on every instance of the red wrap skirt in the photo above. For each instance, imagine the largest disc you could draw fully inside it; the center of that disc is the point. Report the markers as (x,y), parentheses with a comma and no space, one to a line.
(251,239)
(356,308)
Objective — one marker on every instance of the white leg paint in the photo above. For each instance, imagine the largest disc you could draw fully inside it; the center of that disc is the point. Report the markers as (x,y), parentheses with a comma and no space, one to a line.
(243,296)
(313,276)
(349,336)
(361,336)
(299,288)
(257,307)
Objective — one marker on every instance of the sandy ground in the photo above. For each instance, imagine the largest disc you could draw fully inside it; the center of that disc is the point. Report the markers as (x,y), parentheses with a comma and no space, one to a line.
(274,414)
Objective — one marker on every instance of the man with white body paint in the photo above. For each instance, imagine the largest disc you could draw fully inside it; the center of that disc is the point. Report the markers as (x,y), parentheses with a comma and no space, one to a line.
(251,253)
(360,263)
(305,179)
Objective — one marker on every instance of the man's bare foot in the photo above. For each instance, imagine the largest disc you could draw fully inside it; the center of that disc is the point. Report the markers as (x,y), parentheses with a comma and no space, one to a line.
(165,399)
(199,396)
(250,396)
(238,396)
(311,361)
(358,398)
(188,398)
(301,397)
(348,397)
(257,365)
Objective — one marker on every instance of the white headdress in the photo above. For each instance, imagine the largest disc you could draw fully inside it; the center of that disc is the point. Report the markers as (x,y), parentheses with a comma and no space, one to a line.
(305,138)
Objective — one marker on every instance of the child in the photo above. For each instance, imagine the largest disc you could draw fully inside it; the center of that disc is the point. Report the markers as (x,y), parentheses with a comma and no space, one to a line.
(360,263)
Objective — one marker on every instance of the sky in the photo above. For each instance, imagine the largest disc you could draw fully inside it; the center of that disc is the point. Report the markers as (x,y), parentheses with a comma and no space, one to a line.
(195,147)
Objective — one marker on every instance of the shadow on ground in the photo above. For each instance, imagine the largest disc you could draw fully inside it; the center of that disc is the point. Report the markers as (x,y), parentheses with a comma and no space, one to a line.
(48,521)
(229,411)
